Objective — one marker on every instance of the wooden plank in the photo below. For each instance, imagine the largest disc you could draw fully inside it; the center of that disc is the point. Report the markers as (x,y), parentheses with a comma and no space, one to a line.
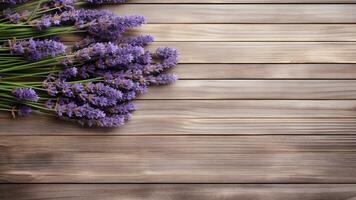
(266,71)
(243,13)
(158,125)
(184,159)
(208,117)
(176,191)
(244,32)
(250,32)
(255,89)
(263,52)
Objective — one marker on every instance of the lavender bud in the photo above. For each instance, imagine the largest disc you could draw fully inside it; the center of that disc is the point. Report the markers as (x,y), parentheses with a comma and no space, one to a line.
(68,73)
(37,49)
(168,56)
(122,108)
(26,94)
(162,79)
(141,40)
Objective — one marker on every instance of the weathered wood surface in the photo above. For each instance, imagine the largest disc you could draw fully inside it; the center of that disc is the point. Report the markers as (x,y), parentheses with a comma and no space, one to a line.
(267,95)
(245,32)
(202,117)
(177,192)
(266,71)
(179,159)
(264,52)
(255,89)
(242,13)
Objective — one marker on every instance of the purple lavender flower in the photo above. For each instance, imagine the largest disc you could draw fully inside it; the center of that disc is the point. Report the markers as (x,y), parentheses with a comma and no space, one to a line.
(84,43)
(74,111)
(145,59)
(68,73)
(123,108)
(106,122)
(88,115)
(129,95)
(109,55)
(111,28)
(123,56)
(102,25)
(162,79)
(44,22)
(92,52)
(83,16)
(168,56)
(26,94)
(141,40)
(23,111)
(51,103)
(102,90)
(121,83)
(86,70)
(37,49)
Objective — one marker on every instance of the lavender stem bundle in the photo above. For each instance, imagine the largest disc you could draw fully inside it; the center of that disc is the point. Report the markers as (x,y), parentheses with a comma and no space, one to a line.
(92,82)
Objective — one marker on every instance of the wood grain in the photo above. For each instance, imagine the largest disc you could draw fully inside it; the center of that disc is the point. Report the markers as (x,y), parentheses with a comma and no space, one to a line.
(243,13)
(184,159)
(209,117)
(263,52)
(204,129)
(265,71)
(250,32)
(186,126)
(255,89)
(176,192)
(243,32)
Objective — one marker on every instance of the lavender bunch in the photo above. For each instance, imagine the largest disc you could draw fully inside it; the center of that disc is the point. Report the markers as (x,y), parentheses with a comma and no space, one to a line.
(95,81)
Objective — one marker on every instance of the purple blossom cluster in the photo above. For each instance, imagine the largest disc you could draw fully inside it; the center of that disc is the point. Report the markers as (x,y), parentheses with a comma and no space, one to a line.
(25,94)
(122,71)
(99,24)
(37,49)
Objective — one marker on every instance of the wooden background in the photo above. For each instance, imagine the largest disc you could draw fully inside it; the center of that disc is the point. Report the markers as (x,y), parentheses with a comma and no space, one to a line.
(265,108)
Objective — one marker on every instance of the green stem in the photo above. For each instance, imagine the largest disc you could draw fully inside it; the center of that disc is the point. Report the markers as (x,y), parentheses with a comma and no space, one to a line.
(34,11)
(42,63)
(29,75)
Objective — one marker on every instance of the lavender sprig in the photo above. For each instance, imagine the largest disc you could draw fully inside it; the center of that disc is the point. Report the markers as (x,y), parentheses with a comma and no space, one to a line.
(37,49)
(25,94)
